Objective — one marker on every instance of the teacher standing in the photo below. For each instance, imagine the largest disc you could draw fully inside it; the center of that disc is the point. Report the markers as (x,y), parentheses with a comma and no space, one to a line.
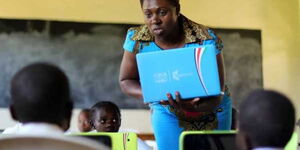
(166,28)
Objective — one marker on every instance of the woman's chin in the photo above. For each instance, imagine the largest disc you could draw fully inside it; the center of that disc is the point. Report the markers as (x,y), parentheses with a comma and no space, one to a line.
(157,32)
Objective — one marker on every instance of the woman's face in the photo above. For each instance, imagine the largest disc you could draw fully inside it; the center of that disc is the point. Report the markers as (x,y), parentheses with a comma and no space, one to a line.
(160,17)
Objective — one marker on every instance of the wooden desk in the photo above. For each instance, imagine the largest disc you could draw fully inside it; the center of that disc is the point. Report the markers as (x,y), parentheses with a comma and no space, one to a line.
(146,136)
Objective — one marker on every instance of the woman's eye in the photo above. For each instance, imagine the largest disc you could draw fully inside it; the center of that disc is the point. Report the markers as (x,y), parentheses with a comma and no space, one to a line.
(148,15)
(162,12)
(114,120)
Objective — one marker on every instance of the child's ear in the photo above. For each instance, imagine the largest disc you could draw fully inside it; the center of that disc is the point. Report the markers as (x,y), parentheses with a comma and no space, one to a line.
(92,124)
(248,143)
(13,113)
(242,141)
(120,122)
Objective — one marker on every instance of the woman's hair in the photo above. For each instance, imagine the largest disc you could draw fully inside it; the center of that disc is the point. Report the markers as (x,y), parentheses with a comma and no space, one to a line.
(172,2)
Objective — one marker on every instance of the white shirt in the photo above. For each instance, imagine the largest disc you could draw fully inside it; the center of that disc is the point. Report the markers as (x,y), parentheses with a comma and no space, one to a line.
(12,130)
(35,129)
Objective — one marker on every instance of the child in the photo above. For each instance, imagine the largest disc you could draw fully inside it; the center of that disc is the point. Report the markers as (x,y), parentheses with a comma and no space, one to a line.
(40,100)
(84,121)
(106,117)
(266,121)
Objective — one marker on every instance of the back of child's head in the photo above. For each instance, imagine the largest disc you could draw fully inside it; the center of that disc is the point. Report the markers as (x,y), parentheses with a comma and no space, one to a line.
(105,117)
(40,93)
(267,118)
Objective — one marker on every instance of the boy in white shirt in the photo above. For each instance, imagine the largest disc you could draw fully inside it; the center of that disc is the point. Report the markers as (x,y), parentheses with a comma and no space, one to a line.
(40,100)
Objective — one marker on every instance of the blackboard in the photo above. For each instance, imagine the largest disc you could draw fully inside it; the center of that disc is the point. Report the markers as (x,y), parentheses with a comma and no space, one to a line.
(90,54)
(243,61)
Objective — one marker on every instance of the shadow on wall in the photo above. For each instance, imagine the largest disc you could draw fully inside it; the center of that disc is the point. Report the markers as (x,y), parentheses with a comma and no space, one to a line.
(90,54)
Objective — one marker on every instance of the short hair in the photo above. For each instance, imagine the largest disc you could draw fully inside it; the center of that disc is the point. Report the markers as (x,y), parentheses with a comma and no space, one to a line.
(40,93)
(103,104)
(267,118)
(172,2)
(86,110)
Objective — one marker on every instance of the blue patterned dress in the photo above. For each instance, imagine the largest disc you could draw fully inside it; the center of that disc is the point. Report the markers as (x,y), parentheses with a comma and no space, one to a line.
(168,124)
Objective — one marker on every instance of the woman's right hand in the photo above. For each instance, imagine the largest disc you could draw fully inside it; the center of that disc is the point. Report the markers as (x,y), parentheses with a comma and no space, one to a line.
(192,105)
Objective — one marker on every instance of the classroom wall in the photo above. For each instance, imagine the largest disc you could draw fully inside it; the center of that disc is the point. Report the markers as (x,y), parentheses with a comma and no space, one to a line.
(278,20)
(137,121)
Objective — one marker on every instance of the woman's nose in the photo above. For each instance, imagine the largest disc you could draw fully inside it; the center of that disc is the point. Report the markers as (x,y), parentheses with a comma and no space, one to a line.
(155,19)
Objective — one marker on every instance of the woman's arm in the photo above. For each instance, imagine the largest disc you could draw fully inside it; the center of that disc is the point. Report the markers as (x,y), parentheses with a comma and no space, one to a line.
(129,78)
(221,70)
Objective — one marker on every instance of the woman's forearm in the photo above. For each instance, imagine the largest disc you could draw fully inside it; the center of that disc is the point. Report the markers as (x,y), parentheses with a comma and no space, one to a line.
(131,88)
(221,70)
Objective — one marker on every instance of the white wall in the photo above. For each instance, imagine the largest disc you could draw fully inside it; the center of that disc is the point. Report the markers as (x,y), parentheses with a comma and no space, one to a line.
(132,120)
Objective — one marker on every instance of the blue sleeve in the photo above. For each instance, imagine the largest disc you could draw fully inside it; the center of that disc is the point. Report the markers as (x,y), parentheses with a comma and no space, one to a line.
(129,44)
(217,41)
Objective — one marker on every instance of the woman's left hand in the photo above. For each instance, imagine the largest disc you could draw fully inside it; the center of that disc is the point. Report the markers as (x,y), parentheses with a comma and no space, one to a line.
(207,104)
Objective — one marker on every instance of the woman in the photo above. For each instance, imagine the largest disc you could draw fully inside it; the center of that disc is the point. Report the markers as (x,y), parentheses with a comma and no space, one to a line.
(166,29)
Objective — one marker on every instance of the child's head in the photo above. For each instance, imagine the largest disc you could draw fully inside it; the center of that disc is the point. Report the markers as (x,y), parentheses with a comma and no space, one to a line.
(105,117)
(266,119)
(84,121)
(40,93)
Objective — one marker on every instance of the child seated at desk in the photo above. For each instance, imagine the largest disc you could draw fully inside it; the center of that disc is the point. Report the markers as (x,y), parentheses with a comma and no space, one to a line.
(84,121)
(106,117)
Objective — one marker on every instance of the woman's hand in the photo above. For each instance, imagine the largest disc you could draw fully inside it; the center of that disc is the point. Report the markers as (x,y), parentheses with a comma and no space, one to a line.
(192,105)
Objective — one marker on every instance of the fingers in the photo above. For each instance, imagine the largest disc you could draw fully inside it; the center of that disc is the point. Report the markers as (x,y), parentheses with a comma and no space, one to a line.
(175,103)
(164,102)
(169,102)
(195,100)
(170,99)
(177,95)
